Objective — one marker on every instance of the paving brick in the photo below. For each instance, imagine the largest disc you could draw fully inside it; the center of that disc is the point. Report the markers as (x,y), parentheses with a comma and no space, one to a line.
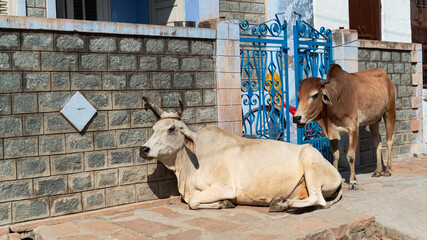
(138,81)
(61,205)
(77,142)
(24,103)
(122,63)
(81,182)
(50,186)
(5,61)
(65,228)
(57,61)
(5,104)
(129,99)
(155,46)
(131,138)
(53,101)
(126,235)
(114,81)
(213,225)
(10,126)
(130,45)
(106,178)
(143,226)
(33,167)
(86,81)
(100,226)
(119,119)
(15,190)
(69,163)
(161,81)
(67,42)
(147,191)
(86,236)
(102,44)
(120,157)
(52,144)
(10,82)
(30,209)
(202,48)
(95,160)
(37,41)
(143,118)
(168,63)
(98,122)
(36,82)
(99,100)
(5,213)
(20,147)
(120,195)
(105,140)
(93,199)
(55,123)
(7,172)
(9,41)
(148,63)
(93,62)
(134,174)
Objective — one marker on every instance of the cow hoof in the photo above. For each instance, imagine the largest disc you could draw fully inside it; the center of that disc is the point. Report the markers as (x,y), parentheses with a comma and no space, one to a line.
(227,204)
(376,174)
(277,208)
(386,173)
(353,186)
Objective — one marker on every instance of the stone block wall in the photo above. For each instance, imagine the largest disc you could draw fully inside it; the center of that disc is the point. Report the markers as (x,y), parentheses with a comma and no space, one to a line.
(36,8)
(401,62)
(49,169)
(251,10)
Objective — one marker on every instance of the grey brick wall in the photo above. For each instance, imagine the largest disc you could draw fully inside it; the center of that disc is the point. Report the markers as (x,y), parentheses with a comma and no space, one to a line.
(400,68)
(36,8)
(251,10)
(46,167)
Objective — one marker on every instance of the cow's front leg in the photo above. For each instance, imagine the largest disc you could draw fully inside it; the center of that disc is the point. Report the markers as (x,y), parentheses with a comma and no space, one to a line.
(351,157)
(212,198)
(335,152)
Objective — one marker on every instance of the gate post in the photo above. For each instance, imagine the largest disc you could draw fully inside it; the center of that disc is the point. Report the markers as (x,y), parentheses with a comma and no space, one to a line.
(227,76)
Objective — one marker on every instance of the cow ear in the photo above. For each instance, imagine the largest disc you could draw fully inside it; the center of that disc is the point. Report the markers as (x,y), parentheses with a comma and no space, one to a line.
(326,98)
(189,143)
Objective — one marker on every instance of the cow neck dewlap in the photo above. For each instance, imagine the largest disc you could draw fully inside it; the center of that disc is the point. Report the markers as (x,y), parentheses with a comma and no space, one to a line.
(184,170)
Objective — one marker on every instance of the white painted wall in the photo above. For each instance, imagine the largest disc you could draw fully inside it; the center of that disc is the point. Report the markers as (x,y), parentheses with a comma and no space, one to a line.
(208,9)
(331,14)
(396,21)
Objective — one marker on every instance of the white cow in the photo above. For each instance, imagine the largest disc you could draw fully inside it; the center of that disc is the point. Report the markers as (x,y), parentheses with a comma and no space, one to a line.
(215,169)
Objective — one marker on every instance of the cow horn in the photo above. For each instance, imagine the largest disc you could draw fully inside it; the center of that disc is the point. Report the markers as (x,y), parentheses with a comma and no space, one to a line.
(181,109)
(158,111)
(324,81)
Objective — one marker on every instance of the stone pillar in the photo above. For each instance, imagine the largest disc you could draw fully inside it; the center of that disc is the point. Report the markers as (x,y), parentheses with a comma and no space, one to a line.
(417,100)
(227,74)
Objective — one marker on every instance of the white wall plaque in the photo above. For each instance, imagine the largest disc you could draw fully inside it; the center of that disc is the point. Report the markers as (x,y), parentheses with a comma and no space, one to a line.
(78,111)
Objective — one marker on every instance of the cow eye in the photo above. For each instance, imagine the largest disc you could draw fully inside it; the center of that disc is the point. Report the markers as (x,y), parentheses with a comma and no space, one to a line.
(172,129)
(315,96)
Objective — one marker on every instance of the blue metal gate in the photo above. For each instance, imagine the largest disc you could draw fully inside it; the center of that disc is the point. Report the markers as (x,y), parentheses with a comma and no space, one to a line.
(265,82)
(313,56)
(264,72)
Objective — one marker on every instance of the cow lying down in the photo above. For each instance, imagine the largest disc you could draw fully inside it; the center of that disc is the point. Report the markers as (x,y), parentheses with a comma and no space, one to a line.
(215,169)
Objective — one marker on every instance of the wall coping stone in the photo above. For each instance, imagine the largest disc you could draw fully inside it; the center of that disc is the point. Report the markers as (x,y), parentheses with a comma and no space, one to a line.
(389,45)
(69,25)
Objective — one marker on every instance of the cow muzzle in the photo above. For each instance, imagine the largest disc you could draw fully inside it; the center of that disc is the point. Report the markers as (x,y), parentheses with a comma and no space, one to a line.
(144,151)
(297,119)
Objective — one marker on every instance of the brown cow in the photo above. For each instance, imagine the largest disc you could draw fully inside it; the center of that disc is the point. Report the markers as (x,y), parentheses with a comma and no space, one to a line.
(346,101)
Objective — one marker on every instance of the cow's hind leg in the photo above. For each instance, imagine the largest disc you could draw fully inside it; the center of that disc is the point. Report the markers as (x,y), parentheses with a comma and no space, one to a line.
(213,198)
(351,156)
(389,120)
(374,128)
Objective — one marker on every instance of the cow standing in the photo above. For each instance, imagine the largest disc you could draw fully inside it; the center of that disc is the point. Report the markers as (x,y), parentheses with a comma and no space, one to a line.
(345,101)
(215,169)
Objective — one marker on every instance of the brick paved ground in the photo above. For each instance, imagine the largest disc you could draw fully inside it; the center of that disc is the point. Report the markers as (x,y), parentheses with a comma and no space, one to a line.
(396,202)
